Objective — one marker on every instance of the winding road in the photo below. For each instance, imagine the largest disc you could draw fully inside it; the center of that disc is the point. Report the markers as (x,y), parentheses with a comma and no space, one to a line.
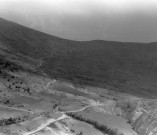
(60,118)
(39,65)
(42,126)
(48,84)
(82,109)
(45,124)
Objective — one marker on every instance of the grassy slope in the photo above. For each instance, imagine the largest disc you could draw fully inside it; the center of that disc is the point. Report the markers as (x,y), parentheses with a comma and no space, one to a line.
(128,67)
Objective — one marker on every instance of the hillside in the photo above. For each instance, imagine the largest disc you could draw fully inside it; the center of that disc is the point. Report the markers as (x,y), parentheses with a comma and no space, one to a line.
(122,67)
(50,85)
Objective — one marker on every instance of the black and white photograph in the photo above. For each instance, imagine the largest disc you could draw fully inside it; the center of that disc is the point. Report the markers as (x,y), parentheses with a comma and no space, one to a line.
(78,67)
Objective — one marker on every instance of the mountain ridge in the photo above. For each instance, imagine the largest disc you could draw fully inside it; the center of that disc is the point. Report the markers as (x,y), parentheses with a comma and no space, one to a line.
(97,40)
(120,66)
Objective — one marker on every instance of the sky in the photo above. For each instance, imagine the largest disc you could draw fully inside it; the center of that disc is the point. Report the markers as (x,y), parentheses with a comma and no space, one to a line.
(115,20)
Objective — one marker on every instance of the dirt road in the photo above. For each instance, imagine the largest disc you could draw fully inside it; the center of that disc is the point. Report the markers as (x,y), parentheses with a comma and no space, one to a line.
(45,124)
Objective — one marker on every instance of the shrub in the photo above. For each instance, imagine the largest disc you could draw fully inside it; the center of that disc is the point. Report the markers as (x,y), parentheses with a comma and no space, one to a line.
(103,128)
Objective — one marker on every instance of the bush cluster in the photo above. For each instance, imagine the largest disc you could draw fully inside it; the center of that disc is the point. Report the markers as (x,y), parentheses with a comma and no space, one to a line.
(10,121)
(103,128)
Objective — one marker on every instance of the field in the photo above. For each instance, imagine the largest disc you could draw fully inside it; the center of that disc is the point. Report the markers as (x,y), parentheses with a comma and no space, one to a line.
(112,121)
(6,112)
(77,127)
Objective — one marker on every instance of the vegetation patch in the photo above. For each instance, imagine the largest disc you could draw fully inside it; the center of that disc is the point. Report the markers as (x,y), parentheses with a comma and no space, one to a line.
(103,128)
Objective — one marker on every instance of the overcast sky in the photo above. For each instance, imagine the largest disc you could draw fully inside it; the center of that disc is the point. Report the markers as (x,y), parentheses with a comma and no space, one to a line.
(118,20)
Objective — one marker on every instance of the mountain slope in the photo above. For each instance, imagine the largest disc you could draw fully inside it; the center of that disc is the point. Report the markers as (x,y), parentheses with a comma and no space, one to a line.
(126,67)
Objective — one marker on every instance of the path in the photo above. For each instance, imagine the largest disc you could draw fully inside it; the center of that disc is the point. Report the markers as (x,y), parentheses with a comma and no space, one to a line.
(80,110)
(48,84)
(84,108)
(60,118)
(16,109)
(39,65)
(46,124)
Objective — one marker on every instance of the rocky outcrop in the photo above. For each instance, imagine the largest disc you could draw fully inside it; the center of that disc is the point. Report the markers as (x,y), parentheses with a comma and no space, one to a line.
(143,121)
